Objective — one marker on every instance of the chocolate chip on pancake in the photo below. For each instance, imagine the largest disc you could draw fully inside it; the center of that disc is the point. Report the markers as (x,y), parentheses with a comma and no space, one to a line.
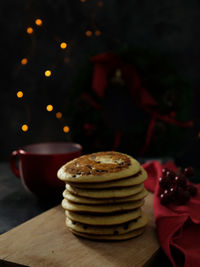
(108,230)
(116,236)
(104,208)
(98,162)
(94,201)
(107,219)
(99,167)
(137,178)
(107,192)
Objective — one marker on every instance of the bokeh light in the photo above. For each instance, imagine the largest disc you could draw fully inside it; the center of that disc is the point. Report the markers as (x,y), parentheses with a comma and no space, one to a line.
(63,45)
(66,129)
(100,3)
(58,115)
(88,33)
(97,32)
(49,108)
(47,73)
(24,61)
(20,94)
(38,22)
(24,127)
(29,30)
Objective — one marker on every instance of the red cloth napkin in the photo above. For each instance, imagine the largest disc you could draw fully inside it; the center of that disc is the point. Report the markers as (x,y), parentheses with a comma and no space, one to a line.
(178,227)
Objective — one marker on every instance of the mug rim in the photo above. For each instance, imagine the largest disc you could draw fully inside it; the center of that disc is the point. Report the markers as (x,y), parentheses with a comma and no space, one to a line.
(25,152)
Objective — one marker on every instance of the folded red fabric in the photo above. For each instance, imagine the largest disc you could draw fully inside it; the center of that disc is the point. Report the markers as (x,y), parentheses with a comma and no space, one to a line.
(178,226)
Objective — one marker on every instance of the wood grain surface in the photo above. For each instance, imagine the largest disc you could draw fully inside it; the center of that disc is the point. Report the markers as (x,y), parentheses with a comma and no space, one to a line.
(45,241)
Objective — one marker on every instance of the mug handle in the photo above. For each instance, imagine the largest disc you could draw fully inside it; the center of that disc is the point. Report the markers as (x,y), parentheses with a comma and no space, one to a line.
(13,162)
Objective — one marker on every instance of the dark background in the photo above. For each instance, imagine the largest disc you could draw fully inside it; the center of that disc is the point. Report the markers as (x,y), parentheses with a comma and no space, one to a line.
(170,28)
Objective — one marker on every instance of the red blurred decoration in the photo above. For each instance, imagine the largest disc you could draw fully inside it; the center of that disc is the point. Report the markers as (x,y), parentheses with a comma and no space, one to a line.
(117,140)
(88,127)
(107,63)
(173,114)
(178,227)
(91,101)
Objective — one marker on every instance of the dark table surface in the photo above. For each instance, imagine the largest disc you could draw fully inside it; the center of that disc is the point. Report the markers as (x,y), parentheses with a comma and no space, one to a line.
(18,205)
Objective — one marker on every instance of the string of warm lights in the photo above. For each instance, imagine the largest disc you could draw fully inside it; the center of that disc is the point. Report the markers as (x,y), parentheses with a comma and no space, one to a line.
(48,72)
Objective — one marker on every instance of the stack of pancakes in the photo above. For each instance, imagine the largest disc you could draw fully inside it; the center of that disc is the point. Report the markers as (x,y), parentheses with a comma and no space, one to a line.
(104,195)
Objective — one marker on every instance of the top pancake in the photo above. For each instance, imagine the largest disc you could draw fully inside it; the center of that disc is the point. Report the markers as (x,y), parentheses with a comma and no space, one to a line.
(99,167)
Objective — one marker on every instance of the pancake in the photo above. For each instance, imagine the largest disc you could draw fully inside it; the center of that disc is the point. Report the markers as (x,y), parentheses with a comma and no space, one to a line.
(107,208)
(105,193)
(115,237)
(138,178)
(104,219)
(108,230)
(91,201)
(99,167)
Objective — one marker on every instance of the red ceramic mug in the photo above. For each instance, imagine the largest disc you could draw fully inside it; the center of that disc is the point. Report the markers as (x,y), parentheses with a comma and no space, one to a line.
(38,165)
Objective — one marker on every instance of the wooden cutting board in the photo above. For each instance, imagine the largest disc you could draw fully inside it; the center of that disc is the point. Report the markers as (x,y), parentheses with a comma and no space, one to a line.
(45,241)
